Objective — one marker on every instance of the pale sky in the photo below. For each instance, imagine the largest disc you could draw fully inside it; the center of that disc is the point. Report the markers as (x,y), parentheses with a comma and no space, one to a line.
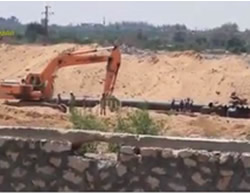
(200,15)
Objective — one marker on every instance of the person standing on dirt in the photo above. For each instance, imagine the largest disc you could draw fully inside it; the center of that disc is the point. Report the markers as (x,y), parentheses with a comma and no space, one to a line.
(59,99)
(23,82)
(72,101)
(103,105)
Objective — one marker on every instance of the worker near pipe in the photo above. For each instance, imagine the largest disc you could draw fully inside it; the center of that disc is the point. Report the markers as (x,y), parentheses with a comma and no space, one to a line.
(72,101)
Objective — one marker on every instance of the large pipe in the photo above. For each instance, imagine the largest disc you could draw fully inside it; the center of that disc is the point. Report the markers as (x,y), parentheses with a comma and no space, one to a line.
(226,111)
(151,105)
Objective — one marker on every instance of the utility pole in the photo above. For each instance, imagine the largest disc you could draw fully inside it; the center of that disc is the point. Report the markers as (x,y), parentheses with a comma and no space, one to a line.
(104,21)
(46,20)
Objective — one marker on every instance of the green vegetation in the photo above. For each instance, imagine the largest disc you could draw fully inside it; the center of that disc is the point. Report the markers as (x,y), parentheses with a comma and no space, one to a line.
(137,122)
(87,121)
(137,34)
(34,32)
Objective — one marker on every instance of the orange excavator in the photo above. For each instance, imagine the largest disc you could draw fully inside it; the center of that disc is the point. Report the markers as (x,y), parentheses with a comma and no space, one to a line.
(37,88)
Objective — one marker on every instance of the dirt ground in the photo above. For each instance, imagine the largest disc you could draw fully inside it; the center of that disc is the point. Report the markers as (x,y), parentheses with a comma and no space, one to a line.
(154,76)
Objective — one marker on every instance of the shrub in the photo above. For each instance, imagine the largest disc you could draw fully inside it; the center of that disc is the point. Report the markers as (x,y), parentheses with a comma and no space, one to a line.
(86,121)
(142,123)
(138,122)
(122,125)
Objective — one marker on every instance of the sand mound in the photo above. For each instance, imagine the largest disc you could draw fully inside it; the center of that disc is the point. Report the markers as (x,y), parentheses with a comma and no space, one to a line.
(164,77)
(161,76)
(35,116)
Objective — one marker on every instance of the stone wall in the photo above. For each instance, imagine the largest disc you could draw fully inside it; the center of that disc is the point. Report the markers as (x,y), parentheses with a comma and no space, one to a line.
(50,165)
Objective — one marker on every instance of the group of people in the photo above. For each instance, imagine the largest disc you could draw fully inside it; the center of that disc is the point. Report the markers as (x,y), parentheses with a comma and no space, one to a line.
(71,103)
(112,102)
(183,105)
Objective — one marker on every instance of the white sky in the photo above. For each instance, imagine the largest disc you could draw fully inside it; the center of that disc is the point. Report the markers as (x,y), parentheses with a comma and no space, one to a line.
(200,15)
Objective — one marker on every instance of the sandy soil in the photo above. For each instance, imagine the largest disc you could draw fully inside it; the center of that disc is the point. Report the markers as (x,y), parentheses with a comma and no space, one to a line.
(161,76)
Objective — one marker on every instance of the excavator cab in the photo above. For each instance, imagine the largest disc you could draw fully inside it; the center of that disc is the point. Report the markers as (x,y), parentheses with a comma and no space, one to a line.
(35,81)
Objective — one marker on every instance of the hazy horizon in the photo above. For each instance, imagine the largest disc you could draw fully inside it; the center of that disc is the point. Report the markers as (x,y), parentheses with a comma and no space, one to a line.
(195,15)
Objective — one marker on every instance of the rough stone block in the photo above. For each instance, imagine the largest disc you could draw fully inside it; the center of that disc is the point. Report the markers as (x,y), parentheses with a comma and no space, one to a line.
(206,170)
(203,156)
(244,185)
(18,187)
(190,162)
(121,170)
(185,153)
(26,163)
(53,183)
(134,179)
(245,158)
(213,159)
(3,140)
(178,175)
(32,144)
(167,153)
(159,171)
(104,175)
(127,150)
(55,161)
(20,143)
(56,146)
(72,177)
(197,178)
(177,187)
(45,169)
(12,155)
(32,156)
(4,164)
(65,189)
(224,157)
(89,177)
(38,183)
(78,163)
(149,151)
(18,173)
(173,164)
(223,183)
(153,182)
(107,187)
(127,157)
(226,172)
(236,157)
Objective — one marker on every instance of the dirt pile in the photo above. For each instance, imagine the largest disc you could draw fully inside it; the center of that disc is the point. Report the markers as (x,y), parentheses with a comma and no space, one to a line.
(35,116)
(155,76)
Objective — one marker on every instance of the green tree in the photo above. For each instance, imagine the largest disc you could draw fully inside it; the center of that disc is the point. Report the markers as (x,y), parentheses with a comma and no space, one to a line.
(179,37)
(33,31)
(236,45)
